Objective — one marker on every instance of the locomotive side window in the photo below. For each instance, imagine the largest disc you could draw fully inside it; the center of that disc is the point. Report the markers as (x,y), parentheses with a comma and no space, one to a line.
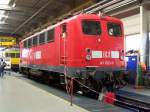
(35,40)
(29,42)
(91,27)
(50,35)
(42,38)
(114,29)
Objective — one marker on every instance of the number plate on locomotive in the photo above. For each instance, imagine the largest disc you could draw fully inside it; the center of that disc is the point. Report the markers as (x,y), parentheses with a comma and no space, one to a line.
(96,54)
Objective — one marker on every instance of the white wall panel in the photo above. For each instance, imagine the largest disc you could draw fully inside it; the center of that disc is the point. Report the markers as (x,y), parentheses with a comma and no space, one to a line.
(133,42)
(131,24)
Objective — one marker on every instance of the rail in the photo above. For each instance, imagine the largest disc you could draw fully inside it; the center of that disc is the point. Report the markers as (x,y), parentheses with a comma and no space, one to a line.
(133,104)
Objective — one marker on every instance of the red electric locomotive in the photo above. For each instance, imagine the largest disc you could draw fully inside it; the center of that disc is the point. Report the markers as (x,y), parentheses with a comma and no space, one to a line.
(87,47)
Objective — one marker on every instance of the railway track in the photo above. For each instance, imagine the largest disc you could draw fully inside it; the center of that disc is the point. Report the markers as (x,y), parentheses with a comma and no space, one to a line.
(132,104)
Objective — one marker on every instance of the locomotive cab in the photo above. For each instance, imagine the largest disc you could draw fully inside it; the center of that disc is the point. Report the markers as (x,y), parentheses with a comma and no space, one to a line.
(98,42)
(107,50)
(98,49)
(92,49)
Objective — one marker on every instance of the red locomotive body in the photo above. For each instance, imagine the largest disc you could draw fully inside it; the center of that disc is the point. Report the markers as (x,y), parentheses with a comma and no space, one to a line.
(82,46)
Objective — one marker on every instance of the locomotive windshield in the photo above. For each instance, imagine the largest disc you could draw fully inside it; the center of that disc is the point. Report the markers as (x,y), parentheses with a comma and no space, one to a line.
(114,29)
(91,27)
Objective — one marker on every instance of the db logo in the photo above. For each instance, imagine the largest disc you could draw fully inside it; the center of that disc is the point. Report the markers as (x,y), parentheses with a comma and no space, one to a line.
(106,54)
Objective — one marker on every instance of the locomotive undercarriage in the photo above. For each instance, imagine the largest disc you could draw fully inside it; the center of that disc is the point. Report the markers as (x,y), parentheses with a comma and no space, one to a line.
(98,80)
(87,80)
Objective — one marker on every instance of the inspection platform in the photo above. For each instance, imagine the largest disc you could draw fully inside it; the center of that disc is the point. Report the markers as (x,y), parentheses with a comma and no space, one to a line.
(20,94)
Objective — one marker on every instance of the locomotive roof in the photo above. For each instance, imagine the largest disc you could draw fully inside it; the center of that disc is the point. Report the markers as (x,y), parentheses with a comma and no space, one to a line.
(80,16)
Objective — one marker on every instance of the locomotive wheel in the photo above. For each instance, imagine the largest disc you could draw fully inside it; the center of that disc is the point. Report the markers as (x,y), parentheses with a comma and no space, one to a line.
(93,85)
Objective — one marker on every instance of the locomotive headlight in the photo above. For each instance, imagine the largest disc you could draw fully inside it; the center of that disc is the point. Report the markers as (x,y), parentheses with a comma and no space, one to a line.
(88,57)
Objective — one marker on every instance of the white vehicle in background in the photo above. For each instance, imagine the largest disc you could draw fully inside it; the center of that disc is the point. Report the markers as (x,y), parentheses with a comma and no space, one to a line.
(7,60)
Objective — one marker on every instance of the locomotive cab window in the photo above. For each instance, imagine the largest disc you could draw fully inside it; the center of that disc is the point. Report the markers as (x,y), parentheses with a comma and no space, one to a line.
(114,29)
(91,27)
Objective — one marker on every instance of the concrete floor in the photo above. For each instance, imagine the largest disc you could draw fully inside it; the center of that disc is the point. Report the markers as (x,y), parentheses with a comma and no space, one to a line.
(19,96)
(87,103)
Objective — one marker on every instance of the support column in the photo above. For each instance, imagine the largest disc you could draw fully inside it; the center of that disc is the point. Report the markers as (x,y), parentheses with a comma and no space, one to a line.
(149,45)
(144,48)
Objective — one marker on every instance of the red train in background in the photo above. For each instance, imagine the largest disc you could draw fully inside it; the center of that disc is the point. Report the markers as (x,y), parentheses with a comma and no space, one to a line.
(87,47)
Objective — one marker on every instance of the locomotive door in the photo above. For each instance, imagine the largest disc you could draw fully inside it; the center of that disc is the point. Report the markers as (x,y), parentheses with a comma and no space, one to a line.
(63,37)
